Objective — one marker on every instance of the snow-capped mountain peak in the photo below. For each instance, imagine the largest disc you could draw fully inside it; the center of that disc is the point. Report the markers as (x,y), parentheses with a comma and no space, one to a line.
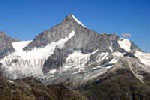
(48,55)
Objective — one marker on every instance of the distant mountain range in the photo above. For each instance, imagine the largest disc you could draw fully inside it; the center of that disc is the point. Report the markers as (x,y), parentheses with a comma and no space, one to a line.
(79,61)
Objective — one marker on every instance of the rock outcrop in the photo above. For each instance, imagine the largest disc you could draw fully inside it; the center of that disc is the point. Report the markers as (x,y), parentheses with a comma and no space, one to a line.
(5,44)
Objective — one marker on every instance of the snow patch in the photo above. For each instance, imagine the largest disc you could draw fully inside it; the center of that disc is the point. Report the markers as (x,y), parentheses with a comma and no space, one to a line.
(18,46)
(10,81)
(113,61)
(77,60)
(117,56)
(52,71)
(102,56)
(125,44)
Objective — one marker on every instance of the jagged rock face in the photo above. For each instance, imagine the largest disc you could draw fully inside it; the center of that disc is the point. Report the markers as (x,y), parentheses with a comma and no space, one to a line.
(5,44)
(85,40)
(56,33)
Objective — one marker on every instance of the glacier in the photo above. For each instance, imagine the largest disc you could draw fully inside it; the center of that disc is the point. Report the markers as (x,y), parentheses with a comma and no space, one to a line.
(24,63)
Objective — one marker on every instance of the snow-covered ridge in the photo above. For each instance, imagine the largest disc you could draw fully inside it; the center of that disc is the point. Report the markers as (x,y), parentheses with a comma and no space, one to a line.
(144,57)
(29,63)
(79,22)
(125,44)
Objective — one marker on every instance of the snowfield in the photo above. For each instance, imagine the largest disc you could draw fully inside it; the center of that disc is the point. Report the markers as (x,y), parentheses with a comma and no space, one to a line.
(144,57)
(29,63)
(78,61)
(125,44)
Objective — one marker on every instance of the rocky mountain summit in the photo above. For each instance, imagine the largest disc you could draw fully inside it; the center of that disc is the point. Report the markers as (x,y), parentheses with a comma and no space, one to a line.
(70,58)
(84,40)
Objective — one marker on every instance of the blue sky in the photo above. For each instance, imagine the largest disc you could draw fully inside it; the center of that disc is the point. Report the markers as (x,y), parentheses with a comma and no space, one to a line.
(25,19)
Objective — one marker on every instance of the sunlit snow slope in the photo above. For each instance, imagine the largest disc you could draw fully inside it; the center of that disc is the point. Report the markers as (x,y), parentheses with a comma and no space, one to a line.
(144,57)
(29,63)
(125,44)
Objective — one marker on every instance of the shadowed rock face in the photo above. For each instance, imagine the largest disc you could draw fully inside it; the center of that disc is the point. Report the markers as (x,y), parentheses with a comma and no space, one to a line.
(5,44)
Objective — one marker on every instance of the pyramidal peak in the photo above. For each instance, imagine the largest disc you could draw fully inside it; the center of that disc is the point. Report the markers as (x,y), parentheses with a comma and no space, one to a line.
(72,17)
